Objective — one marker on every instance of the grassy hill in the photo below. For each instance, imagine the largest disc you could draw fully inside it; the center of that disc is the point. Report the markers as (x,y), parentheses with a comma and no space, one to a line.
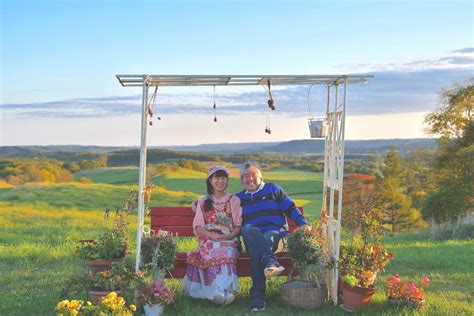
(303,186)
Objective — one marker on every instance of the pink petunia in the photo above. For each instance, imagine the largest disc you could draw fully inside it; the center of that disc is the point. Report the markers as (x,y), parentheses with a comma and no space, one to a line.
(425,281)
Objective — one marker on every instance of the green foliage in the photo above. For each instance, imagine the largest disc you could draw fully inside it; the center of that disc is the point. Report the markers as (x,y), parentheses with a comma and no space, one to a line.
(112,244)
(460,231)
(306,251)
(392,197)
(454,164)
(20,171)
(350,280)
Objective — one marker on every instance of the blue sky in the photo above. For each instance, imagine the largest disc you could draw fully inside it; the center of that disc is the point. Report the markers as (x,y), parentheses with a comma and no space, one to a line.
(59,59)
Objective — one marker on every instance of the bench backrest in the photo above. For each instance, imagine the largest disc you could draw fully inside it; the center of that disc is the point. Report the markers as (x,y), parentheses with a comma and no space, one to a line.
(179,220)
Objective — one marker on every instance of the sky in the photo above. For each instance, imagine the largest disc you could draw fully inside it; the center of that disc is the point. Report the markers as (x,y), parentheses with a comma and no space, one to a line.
(59,60)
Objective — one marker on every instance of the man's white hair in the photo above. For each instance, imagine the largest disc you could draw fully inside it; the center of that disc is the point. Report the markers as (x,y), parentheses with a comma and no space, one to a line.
(248,165)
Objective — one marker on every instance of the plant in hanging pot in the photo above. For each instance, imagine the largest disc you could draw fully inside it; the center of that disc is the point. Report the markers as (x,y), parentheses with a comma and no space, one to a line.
(158,252)
(110,247)
(406,293)
(154,296)
(307,252)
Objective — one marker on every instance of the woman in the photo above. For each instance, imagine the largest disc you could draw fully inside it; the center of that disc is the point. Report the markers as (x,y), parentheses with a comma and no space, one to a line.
(212,273)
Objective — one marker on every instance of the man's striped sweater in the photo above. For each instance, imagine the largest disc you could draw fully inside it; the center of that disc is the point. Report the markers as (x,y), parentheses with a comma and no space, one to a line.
(266,208)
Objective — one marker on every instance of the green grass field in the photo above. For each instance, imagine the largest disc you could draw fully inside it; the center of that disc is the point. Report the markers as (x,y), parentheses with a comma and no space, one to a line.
(41,224)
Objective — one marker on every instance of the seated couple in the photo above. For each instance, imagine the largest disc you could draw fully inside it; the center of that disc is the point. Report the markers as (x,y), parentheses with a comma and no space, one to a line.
(258,213)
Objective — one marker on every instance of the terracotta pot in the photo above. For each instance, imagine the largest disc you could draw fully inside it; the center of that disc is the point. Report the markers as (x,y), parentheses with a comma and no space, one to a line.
(101,264)
(356,298)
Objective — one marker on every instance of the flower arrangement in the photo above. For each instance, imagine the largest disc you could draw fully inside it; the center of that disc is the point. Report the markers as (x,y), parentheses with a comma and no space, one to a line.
(111,304)
(307,251)
(112,244)
(406,292)
(363,262)
(158,251)
(155,292)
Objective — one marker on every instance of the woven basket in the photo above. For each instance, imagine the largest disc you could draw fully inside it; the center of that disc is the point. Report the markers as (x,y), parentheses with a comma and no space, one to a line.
(303,294)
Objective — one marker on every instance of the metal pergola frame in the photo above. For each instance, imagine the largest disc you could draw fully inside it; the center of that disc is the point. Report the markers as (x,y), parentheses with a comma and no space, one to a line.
(333,149)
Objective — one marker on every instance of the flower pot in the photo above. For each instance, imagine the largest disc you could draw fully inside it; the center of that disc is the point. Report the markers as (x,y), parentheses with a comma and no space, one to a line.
(101,264)
(356,298)
(153,310)
(304,294)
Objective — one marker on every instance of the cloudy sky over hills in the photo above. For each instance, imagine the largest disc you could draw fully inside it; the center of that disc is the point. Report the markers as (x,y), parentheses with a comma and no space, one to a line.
(59,91)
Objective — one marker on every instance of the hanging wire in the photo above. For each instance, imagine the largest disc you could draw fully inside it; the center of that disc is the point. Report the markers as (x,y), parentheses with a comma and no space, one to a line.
(309,108)
(152,104)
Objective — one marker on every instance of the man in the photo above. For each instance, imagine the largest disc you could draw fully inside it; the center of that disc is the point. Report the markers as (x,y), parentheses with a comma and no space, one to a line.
(264,207)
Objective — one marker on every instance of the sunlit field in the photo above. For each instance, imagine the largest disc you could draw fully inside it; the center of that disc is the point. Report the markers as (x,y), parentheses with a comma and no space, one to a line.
(40,225)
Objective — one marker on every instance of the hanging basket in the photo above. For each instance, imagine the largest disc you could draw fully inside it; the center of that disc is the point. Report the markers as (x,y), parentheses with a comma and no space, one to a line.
(318,127)
(304,294)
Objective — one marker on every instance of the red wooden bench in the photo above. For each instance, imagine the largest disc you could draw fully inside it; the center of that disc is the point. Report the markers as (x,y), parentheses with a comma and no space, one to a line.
(179,220)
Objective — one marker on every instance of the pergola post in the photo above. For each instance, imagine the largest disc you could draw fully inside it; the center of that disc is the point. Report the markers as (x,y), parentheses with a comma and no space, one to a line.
(142,173)
(333,182)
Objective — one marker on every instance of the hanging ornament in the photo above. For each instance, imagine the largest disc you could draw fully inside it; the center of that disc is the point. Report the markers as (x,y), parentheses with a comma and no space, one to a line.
(214,105)
(271,102)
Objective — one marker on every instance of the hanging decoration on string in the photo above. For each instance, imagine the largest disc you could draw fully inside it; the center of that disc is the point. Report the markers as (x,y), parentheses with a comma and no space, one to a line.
(151,105)
(271,107)
(214,105)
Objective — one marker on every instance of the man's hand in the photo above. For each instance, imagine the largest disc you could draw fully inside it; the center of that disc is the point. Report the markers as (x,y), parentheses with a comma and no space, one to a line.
(305,228)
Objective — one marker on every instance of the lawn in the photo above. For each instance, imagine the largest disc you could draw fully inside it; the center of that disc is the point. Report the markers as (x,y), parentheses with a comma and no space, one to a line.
(40,225)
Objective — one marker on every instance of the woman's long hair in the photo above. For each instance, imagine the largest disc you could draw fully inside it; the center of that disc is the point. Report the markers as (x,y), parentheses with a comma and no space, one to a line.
(208,203)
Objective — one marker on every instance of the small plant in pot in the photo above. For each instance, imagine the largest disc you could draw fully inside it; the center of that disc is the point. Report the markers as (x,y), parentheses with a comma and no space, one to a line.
(110,247)
(154,296)
(307,252)
(158,252)
(408,293)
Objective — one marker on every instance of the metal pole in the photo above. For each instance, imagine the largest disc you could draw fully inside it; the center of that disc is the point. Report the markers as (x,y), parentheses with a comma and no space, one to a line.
(142,172)
(341,182)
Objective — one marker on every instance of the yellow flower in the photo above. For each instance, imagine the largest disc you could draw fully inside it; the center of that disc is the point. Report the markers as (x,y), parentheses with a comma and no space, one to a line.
(133,308)
(62,304)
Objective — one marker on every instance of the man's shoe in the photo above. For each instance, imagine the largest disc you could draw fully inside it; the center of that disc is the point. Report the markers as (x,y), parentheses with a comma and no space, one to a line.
(218,299)
(273,271)
(257,306)
(229,298)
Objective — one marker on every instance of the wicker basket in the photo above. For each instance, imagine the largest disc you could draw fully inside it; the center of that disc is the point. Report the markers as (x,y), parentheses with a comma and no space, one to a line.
(304,294)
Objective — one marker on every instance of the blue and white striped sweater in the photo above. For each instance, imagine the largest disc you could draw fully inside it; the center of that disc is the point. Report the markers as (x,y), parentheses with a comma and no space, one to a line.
(267,208)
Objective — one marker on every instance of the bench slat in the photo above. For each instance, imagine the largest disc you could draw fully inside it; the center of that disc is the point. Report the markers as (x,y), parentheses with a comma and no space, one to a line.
(171,221)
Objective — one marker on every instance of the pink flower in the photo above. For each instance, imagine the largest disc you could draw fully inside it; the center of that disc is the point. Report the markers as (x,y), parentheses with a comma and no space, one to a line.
(397,275)
(425,281)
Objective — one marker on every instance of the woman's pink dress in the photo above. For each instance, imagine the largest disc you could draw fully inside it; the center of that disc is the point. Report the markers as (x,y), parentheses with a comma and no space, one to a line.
(212,268)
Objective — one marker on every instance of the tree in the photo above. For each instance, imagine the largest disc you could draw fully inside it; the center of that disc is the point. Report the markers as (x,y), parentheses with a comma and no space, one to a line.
(392,198)
(454,160)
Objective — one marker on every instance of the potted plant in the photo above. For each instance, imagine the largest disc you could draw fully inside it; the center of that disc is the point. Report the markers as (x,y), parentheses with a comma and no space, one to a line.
(306,250)
(110,247)
(406,293)
(111,304)
(359,268)
(120,278)
(158,251)
(154,296)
